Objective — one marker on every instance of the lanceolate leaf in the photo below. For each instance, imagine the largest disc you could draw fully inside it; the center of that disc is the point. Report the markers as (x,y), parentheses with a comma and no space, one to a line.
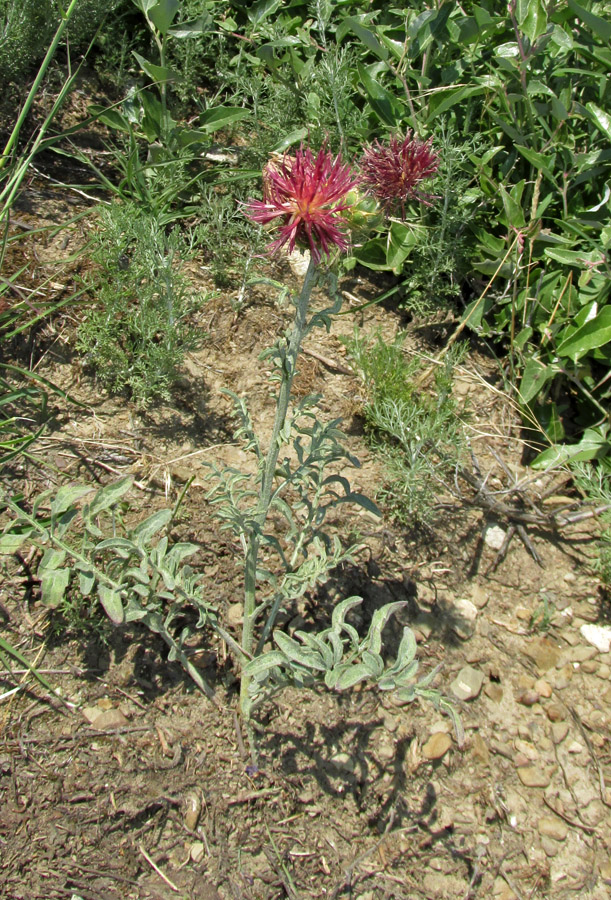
(383,103)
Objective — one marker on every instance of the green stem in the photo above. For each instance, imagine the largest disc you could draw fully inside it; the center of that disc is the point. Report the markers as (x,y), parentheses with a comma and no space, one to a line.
(267,478)
(37,82)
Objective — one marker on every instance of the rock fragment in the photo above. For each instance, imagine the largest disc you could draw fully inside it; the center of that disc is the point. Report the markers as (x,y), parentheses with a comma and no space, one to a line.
(437,745)
(553,827)
(533,776)
(468,683)
(597,635)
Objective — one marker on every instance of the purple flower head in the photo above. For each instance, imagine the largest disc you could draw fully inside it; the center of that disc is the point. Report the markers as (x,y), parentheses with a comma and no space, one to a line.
(304,197)
(391,172)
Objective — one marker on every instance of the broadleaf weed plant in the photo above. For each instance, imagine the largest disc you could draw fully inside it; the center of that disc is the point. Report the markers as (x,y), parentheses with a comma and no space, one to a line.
(307,203)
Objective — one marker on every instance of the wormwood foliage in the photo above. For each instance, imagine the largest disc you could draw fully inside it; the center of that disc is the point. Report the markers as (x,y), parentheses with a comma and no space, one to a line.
(419,435)
(136,334)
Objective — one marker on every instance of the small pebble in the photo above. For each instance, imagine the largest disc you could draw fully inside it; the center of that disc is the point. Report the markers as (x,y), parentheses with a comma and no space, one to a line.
(575,747)
(550,847)
(543,688)
(555,712)
(192,810)
(533,776)
(582,653)
(494,691)
(468,683)
(527,749)
(553,827)
(480,749)
(590,666)
(494,536)
(437,745)
(528,698)
(197,852)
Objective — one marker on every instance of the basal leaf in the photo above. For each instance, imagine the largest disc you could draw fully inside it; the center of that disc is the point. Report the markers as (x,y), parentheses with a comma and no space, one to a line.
(351,675)
(594,444)
(220,116)
(110,117)
(111,601)
(53,583)
(193,28)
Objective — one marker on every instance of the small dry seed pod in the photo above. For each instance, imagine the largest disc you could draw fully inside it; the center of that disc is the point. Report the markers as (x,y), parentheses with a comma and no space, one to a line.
(192,806)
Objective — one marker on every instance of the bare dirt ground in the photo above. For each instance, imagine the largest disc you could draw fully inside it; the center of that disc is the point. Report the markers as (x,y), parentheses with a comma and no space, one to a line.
(140,790)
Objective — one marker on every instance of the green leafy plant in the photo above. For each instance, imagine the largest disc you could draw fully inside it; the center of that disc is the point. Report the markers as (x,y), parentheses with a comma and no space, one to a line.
(530,80)
(138,329)
(304,197)
(419,434)
(135,574)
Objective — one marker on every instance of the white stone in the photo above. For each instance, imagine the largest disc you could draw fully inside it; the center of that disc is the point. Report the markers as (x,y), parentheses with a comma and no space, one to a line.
(494,536)
(597,635)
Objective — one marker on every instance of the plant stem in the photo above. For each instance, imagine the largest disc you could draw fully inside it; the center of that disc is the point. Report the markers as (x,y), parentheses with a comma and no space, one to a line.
(289,366)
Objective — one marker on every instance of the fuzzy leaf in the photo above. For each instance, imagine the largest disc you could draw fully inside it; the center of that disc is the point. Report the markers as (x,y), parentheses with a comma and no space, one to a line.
(11,542)
(111,601)
(54,583)
(374,663)
(66,496)
(52,559)
(145,530)
(121,546)
(262,664)
(109,495)
(86,580)
(351,675)
(297,653)
(378,621)
(341,611)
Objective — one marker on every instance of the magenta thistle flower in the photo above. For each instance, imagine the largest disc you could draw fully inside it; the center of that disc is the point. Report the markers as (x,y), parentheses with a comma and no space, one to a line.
(392,172)
(304,197)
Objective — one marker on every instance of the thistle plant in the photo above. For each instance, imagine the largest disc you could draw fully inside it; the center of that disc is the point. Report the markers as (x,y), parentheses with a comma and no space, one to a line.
(307,202)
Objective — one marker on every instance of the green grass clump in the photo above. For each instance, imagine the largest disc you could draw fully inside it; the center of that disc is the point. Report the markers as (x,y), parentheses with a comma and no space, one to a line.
(140,326)
(594,480)
(419,435)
